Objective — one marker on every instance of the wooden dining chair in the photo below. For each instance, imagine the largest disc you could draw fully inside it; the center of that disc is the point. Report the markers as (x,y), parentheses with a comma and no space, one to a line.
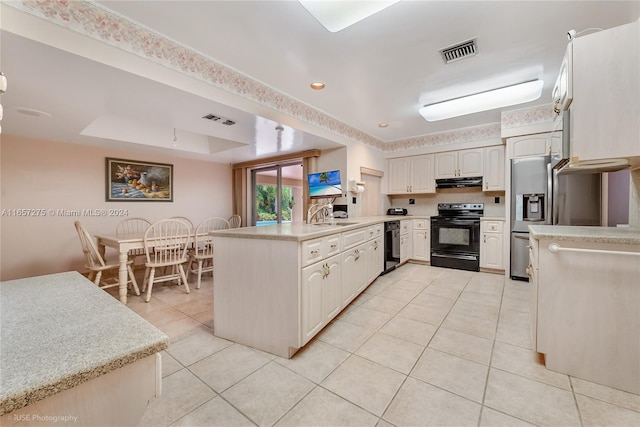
(235,221)
(166,244)
(133,226)
(185,219)
(201,256)
(97,265)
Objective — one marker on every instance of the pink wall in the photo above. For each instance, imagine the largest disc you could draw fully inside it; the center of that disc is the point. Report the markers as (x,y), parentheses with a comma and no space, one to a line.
(38,174)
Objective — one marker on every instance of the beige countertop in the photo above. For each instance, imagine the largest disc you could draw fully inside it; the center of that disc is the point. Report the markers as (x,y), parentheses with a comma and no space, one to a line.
(61,330)
(619,235)
(299,231)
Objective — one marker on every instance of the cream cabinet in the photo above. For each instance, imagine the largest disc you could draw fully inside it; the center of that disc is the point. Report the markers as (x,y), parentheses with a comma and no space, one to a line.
(322,275)
(492,244)
(493,177)
(411,175)
(375,261)
(530,145)
(542,144)
(606,87)
(584,306)
(405,240)
(321,295)
(421,243)
(463,163)
(354,272)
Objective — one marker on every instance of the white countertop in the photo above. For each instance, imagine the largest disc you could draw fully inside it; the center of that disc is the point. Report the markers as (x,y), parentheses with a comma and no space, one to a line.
(619,235)
(61,330)
(298,231)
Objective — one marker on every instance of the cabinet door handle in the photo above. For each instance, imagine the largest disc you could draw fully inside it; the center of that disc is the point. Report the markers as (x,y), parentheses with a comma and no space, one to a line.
(485,238)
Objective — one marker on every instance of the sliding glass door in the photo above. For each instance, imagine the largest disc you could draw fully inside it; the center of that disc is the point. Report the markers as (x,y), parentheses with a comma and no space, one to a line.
(277,194)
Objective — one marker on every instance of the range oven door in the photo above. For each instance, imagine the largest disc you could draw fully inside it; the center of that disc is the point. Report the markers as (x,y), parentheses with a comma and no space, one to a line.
(455,243)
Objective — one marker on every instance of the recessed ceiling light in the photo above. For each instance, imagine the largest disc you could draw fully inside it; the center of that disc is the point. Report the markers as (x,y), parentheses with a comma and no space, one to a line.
(317,85)
(32,112)
(383,125)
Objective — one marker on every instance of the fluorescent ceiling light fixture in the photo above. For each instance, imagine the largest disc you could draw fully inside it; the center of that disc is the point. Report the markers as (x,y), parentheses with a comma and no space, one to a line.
(338,15)
(483,101)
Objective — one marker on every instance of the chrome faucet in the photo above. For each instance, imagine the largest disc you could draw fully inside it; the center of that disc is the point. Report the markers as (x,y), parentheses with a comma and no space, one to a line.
(319,212)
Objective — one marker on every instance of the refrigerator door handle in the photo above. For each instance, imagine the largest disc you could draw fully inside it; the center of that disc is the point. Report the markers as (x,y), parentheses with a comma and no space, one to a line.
(551,197)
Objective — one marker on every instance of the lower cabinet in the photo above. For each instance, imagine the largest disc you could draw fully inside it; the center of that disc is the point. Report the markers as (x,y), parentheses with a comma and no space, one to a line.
(321,295)
(405,240)
(354,272)
(421,242)
(375,261)
(331,284)
(491,245)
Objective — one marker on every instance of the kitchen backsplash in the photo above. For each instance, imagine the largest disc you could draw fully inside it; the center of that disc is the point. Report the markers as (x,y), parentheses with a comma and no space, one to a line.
(428,205)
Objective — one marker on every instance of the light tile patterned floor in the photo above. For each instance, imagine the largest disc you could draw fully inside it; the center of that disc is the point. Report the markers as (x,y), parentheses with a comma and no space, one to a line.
(422,346)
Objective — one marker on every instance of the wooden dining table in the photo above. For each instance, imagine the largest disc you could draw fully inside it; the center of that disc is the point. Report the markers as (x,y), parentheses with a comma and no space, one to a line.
(123,243)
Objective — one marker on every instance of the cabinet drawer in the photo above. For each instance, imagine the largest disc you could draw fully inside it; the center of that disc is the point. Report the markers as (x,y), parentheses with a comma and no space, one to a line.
(312,251)
(333,244)
(421,224)
(492,226)
(318,249)
(374,231)
(354,237)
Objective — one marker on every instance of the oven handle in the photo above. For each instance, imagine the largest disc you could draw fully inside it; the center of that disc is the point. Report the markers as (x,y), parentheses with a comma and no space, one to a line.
(455,221)
(467,257)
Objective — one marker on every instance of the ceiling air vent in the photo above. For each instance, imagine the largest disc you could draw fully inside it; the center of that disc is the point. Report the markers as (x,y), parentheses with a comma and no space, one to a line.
(459,51)
(222,120)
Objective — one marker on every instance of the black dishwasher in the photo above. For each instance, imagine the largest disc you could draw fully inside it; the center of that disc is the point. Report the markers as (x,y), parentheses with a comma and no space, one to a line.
(391,245)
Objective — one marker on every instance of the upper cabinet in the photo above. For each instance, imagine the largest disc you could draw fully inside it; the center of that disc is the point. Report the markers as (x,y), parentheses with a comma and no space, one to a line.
(493,168)
(606,106)
(411,175)
(452,164)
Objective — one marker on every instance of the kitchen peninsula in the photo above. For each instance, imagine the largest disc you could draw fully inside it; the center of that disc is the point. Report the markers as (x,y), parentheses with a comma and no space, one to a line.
(71,350)
(277,286)
(585,299)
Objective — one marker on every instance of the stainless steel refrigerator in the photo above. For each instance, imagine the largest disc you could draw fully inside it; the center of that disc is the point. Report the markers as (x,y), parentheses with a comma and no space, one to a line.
(541,195)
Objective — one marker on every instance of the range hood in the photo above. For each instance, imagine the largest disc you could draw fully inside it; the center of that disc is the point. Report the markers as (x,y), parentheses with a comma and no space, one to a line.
(475,181)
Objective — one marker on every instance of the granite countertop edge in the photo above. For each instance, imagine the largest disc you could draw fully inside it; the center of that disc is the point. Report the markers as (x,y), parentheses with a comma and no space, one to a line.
(27,397)
(614,235)
(34,307)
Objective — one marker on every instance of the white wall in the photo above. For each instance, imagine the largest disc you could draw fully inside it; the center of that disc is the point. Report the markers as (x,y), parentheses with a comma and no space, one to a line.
(38,174)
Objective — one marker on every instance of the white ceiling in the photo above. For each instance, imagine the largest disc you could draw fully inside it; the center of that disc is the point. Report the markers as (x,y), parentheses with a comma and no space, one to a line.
(381,69)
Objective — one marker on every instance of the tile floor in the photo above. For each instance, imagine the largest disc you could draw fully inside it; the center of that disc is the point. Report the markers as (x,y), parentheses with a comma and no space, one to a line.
(421,346)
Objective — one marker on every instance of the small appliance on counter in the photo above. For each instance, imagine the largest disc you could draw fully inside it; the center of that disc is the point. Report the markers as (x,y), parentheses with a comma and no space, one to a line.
(340,211)
(397,211)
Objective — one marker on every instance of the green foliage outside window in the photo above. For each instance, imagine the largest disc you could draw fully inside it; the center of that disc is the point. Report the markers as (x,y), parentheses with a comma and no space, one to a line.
(266,202)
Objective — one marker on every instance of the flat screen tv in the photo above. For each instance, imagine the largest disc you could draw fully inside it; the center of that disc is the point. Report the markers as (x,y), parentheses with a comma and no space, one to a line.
(325,184)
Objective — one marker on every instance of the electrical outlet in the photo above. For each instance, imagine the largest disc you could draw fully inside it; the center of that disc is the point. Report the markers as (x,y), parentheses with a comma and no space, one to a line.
(354,200)
(496,200)
(412,201)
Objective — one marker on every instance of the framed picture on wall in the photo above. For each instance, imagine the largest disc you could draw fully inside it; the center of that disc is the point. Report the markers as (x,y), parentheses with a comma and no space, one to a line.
(136,181)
